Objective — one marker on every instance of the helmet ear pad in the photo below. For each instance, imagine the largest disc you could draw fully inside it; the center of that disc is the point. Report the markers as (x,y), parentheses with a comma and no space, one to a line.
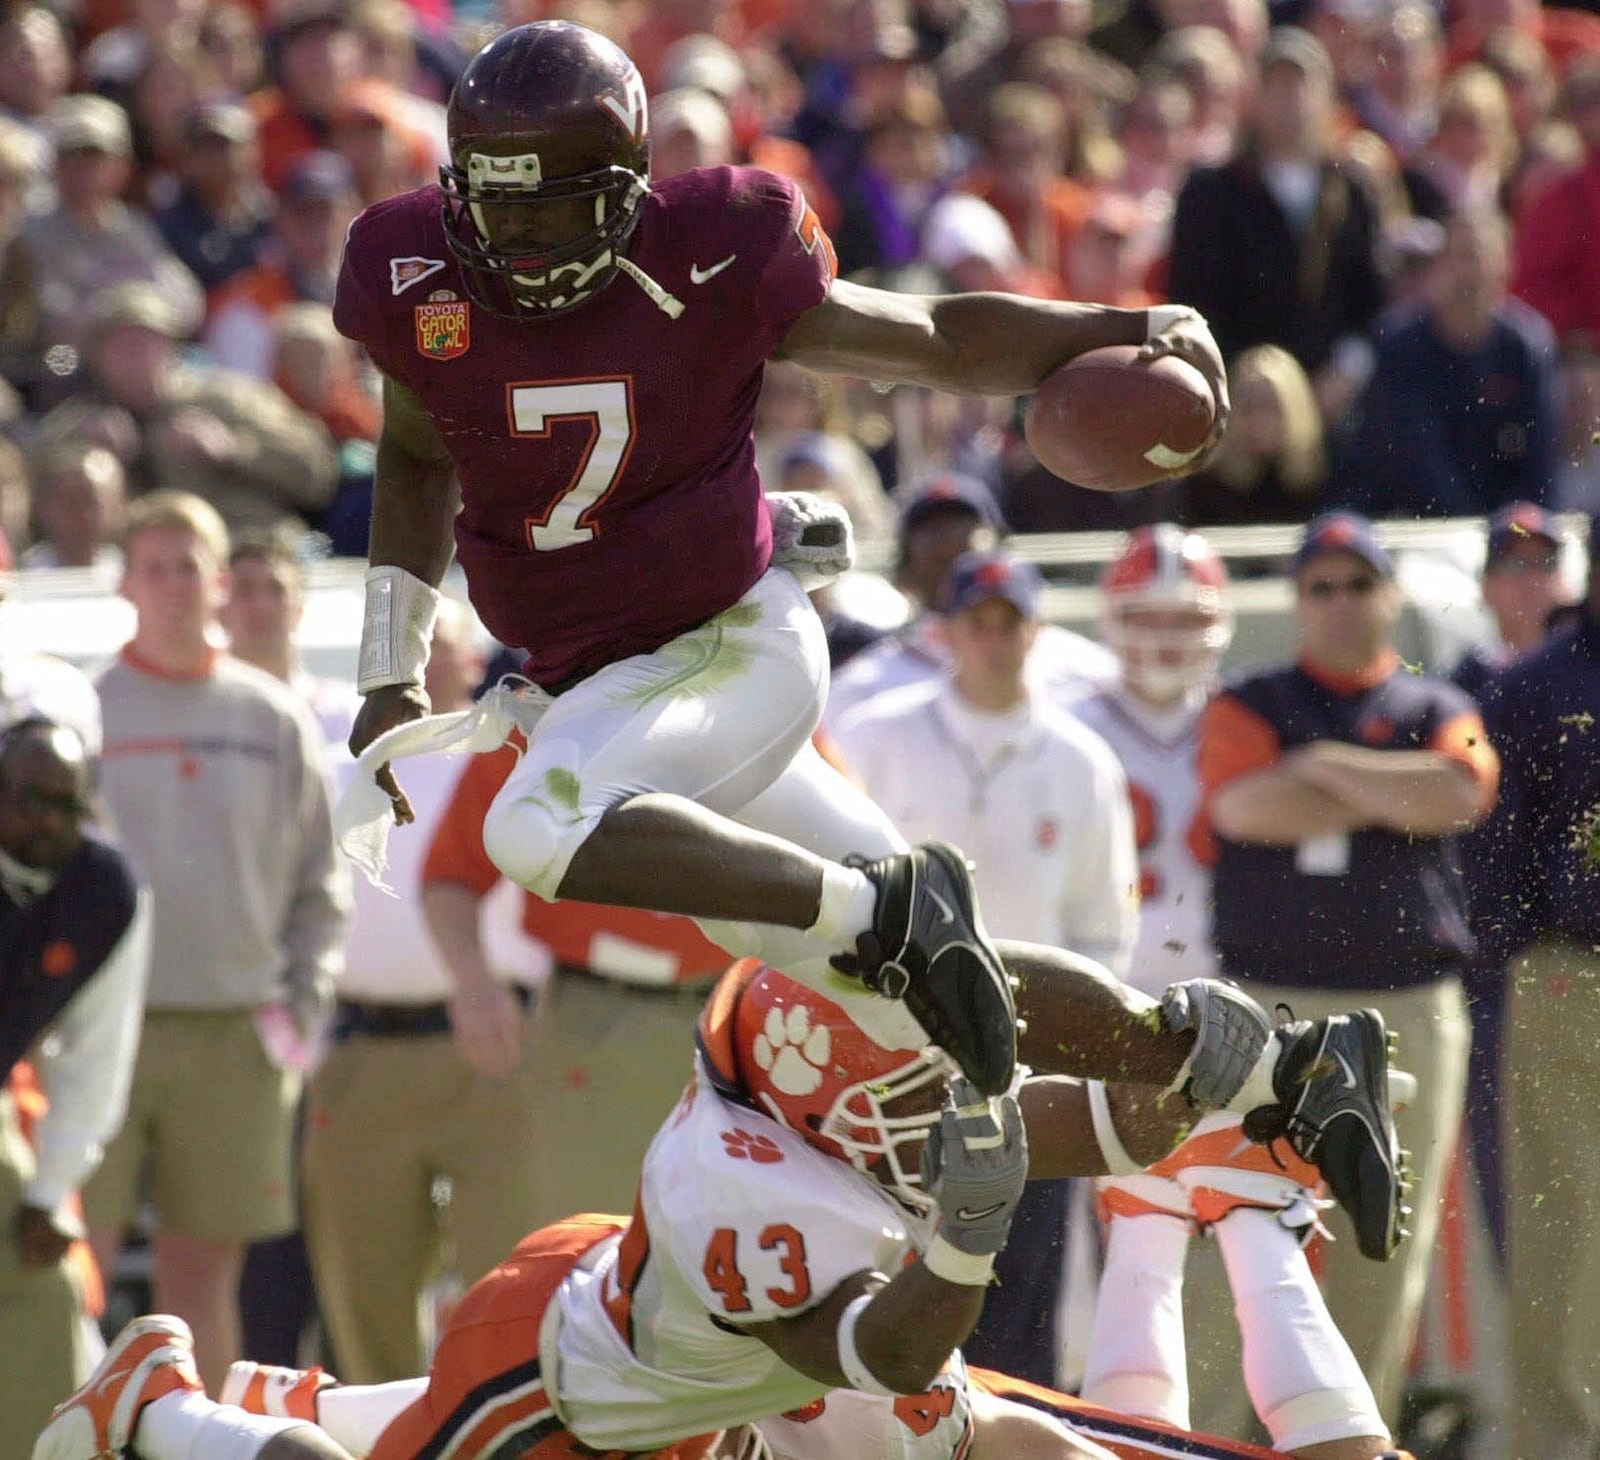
(549,121)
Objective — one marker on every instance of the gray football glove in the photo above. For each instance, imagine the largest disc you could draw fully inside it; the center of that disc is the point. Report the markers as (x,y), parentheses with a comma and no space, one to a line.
(811,537)
(974,1165)
(1231,1030)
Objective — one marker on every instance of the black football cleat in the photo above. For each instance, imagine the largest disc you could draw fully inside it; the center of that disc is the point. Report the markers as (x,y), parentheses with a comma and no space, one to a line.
(927,947)
(1332,1084)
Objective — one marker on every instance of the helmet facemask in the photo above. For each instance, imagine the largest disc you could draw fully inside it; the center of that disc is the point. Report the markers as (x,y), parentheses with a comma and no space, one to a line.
(879,1141)
(492,198)
(1168,662)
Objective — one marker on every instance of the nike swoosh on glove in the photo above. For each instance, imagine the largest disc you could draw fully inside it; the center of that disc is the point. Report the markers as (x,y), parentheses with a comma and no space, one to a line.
(975,1165)
(811,537)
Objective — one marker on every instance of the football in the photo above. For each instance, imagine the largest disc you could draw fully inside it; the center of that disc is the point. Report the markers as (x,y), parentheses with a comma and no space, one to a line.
(1110,421)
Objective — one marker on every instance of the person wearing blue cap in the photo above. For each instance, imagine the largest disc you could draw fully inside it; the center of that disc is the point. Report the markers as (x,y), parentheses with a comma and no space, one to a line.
(1337,788)
(1522,588)
(1041,804)
(947,514)
(1534,872)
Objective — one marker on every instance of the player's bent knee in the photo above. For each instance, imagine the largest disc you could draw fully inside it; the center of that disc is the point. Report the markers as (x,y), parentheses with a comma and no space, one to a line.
(532,843)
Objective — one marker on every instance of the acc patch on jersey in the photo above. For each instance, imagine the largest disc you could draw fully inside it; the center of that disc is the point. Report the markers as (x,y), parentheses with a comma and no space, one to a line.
(444,329)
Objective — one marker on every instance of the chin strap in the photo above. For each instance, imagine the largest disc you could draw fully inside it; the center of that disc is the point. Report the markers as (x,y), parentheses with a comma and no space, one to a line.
(669,304)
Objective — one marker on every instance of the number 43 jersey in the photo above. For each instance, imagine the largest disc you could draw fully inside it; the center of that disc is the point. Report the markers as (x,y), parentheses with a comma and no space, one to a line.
(739,1221)
(610,499)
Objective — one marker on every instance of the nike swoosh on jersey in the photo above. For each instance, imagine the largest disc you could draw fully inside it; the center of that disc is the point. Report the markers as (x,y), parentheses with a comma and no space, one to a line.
(697,275)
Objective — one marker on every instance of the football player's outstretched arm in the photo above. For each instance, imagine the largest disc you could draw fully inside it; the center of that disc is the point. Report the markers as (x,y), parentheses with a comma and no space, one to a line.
(414,502)
(985,344)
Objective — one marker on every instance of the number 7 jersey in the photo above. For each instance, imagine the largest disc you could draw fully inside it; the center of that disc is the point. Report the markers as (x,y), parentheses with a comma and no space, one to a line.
(610,499)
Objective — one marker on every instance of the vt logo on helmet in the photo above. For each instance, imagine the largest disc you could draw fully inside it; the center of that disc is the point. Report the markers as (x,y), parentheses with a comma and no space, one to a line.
(549,161)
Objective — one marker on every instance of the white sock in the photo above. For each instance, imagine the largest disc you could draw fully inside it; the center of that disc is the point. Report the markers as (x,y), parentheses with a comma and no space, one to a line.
(188,1426)
(1257,1088)
(1303,1380)
(849,898)
(1137,1358)
(354,1415)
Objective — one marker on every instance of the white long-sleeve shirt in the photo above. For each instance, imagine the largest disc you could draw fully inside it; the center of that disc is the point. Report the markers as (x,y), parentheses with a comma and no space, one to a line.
(1035,799)
(85,1066)
(85,1060)
(1062,667)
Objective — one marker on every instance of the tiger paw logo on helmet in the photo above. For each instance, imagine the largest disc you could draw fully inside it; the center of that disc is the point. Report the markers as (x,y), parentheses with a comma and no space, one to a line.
(791,1051)
(745,1145)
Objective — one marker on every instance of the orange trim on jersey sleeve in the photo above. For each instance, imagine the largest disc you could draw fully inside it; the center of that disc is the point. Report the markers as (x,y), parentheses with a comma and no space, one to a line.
(631,1254)
(456,853)
(1463,739)
(1234,740)
(716,1019)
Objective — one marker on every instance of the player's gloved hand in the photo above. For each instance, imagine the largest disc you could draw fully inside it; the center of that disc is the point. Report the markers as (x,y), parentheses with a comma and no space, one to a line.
(381,710)
(1178,330)
(1230,1031)
(975,1165)
(811,537)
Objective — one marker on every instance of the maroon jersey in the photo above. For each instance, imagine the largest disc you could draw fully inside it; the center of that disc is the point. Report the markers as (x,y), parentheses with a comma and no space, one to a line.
(610,499)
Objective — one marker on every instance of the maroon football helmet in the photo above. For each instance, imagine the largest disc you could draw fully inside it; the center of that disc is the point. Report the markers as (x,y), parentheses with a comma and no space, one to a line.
(549,161)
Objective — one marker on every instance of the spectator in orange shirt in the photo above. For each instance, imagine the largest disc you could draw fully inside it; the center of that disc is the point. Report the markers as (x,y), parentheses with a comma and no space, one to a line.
(316,61)
(379,136)
(1021,175)
(626,986)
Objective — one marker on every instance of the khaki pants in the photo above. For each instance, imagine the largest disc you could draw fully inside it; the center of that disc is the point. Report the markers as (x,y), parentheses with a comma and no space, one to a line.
(1377,1305)
(43,1353)
(1553,1200)
(208,1133)
(613,1061)
(602,1067)
(386,1117)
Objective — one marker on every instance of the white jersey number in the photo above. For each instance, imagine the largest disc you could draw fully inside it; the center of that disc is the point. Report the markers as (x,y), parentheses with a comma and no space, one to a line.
(607,405)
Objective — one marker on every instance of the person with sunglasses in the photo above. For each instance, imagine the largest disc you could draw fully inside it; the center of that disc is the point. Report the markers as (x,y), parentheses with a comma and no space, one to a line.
(74,956)
(1336,789)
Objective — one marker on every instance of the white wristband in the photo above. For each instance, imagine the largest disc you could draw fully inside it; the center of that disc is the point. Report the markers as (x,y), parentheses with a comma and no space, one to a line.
(397,629)
(1160,317)
(857,1374)
(1118,1161)
(971,1270)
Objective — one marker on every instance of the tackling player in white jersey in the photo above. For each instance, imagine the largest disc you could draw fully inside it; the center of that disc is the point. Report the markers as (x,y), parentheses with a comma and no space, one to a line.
(820,1213)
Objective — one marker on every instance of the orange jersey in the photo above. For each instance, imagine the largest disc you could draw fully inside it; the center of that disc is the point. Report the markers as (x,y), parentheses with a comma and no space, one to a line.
(578,934)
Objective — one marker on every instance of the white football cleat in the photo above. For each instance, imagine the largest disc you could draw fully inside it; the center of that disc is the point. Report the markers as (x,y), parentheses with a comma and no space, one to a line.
(151,1358)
